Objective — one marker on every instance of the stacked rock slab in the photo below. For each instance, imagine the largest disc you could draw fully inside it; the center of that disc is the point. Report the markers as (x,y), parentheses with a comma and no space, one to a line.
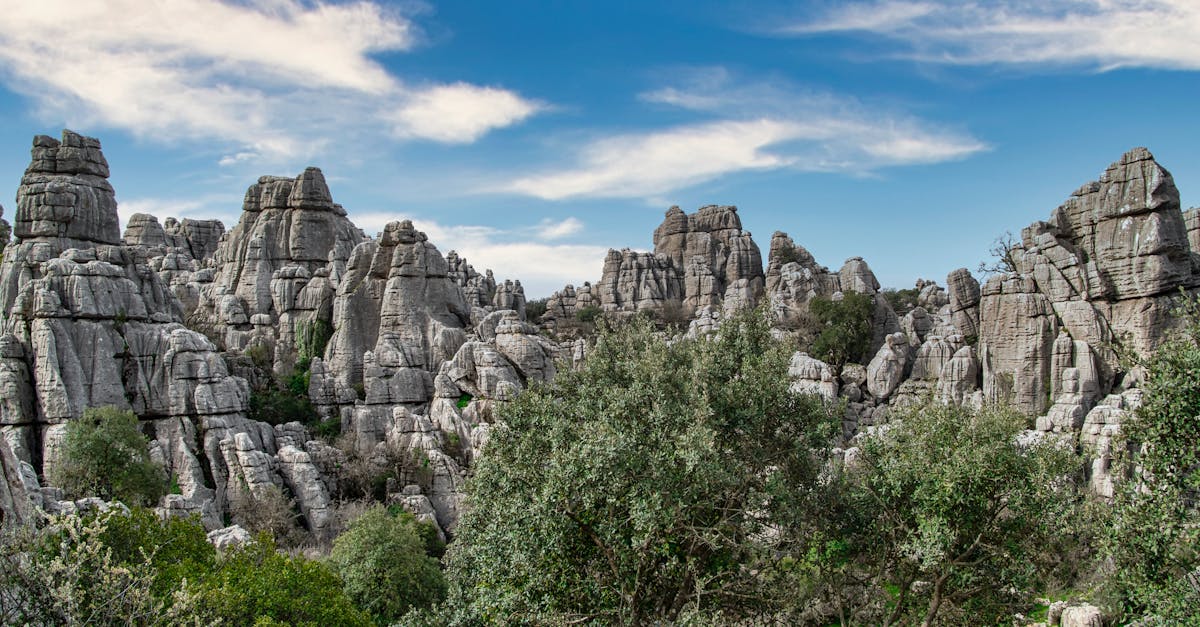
(180,252)
(276,271)
(87,323)
(1103,269)
(701,259)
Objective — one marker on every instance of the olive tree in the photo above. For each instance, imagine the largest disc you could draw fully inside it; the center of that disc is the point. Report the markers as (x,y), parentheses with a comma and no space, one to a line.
(104,454)
(949,509)
(647,485)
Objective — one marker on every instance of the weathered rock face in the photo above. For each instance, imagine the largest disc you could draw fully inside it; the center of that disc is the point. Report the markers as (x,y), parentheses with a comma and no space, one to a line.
(400,285)
(291,234)
(1103,268)
(1117,238)
(1016,338)
(700,260)
(719,261)
(65,197)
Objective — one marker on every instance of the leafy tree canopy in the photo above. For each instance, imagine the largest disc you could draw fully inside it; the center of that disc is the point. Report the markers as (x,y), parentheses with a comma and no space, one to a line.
(646,485)
(104,454)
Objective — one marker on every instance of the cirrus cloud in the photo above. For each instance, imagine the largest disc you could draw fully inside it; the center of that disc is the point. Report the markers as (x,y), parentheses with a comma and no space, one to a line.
(1102,34)
(265,78)
(756,126)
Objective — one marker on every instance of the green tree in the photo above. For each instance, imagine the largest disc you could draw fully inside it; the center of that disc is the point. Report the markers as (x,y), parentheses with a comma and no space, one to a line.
(644,486)
(256,582)
(954,498)
(846,327)
(1154,540)
(384,566)
(104,454)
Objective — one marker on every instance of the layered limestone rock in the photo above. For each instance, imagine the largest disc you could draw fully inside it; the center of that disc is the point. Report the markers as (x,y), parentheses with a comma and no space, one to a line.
(398,287)
(720,262)
(88,322)
(290,233)
(812,376)
(700,260)
(1104,269)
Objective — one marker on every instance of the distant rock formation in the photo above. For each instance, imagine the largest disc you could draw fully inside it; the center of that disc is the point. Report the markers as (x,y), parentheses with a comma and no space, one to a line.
(411,352)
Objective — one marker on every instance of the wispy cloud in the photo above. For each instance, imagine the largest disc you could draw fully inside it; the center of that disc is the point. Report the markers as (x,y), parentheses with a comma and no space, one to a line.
(528,253)
(1101,34)
(756,126)
(264,77)
(550,230)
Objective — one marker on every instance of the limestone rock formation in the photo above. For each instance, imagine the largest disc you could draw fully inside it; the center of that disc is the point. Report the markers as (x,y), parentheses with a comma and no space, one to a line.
(290,233)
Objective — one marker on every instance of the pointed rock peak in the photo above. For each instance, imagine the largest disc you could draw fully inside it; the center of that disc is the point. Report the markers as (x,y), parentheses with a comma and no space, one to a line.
(74,154)
(310,191)
(1134,184)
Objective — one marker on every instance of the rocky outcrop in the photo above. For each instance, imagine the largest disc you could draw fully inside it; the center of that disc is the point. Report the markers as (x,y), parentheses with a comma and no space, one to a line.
(290,234)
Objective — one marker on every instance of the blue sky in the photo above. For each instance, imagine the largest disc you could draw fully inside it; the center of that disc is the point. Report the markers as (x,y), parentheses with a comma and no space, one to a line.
(533,136)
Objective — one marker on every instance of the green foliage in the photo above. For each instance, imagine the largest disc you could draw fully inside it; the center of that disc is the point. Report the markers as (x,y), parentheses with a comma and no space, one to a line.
(277,406)
(947,496)
(1154,542)
(463,400)
(643,486)
(256,581)
(902,301)
(118,568)
(260,355)
(534,309)
(846,327)
(175,549)
(384,567)
(311,339)
(588,314)
(104,454)
(66,574)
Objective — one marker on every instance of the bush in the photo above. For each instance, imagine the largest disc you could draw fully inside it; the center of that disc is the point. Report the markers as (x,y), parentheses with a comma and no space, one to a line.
(270,512)
(902,301)
(119,568)
(256,582)
(384,566)
(644,485)
(311,339)
(534,309)
(846,327)
(588,314)
(949,497)
(104,454)
(1154,540)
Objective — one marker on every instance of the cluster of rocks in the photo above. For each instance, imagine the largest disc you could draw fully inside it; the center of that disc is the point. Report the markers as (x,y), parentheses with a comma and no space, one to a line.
(396,337)
(410,351)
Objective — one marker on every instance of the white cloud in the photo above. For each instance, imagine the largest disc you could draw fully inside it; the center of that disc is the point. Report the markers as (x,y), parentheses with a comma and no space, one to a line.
(265,77)
(460,113)
(759,126)
(645,164)
(1103,34)
(542,267)
(549,229)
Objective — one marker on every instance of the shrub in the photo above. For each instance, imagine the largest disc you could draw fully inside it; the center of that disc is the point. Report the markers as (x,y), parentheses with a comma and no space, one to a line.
(256,582)
(641,486)
(588,314)
(948,496)
(270,512)
(902,301)
(311,339)
(846,328)
(384,566)
(534,309)
(104,454)
(1154,540)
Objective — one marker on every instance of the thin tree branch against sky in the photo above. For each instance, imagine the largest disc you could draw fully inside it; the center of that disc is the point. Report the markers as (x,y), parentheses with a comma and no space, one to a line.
(532,136)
